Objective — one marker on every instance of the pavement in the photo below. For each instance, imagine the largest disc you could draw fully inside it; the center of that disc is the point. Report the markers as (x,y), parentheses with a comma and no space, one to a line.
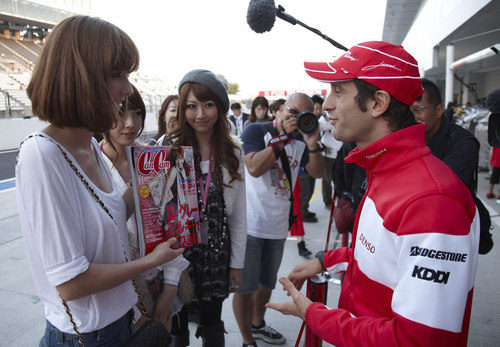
(22,321)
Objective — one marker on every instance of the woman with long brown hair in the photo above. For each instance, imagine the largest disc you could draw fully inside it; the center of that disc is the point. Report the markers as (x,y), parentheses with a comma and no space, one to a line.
(216,262)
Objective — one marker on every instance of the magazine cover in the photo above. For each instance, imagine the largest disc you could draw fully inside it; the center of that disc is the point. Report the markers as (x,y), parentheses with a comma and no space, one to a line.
(166,204)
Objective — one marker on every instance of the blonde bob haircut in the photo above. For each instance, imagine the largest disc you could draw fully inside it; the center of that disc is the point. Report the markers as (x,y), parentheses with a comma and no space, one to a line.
(69,86)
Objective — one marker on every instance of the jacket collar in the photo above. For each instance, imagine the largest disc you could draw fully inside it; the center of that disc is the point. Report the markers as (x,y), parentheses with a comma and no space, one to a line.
(391,151)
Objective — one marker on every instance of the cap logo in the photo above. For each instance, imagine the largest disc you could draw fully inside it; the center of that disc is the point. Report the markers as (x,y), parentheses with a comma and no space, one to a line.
(382,64)
(349,56)
(334,70)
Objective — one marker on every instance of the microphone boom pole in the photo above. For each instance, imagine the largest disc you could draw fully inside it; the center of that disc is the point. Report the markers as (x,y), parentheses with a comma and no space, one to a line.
(280,13)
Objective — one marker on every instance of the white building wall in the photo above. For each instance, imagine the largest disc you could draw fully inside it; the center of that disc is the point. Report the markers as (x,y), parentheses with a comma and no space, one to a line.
(491,81)
(435,21)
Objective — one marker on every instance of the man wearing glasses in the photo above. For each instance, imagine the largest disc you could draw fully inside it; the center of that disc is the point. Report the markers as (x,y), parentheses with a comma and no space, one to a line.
(268,151)
(451,143)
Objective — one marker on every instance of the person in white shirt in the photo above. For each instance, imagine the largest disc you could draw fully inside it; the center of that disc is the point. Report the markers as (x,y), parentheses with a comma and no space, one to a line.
(268,209)
(157,288)
(238,118)
(73,218)
(331,146)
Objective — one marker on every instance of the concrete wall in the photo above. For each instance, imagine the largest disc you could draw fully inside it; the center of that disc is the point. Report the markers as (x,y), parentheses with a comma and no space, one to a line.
(15,130)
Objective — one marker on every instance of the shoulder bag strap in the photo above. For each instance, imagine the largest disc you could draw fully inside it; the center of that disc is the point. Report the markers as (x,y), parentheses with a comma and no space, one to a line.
(103,206)
(286,167)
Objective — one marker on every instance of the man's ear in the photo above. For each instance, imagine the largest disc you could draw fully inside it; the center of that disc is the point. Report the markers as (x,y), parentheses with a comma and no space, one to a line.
(440,110)
(380,103)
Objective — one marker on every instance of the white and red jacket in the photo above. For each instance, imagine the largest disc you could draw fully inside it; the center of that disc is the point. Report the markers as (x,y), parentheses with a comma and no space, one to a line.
(410,272)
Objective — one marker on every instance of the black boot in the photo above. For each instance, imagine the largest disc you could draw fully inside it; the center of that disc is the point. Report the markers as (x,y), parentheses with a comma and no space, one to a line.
(303,251)
(180,340)
(213,335)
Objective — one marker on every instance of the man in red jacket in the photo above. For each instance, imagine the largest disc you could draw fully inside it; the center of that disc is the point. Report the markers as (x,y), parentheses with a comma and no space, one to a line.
(409,275)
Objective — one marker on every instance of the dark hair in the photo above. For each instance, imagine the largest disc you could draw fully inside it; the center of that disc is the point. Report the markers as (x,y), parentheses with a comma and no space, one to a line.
(236,106)
(135,102)
(224,146)
(132,102)
(397,114)
(69,86)
(259,101)
(176,153)
(432,92)
(317,99)
(275,106)
(162,126)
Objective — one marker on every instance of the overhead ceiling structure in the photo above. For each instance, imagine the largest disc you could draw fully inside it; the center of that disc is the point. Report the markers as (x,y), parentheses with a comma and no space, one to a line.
(479,32)
(427,27)
(399,17)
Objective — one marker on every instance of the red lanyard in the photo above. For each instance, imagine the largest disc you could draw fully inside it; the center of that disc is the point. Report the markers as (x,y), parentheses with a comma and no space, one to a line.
(204,190)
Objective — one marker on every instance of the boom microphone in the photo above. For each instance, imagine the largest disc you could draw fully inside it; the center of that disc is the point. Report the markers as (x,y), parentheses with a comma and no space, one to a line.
(261,15)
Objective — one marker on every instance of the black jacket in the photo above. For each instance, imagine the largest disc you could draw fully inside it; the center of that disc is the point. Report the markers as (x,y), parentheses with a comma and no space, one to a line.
(232,118)
(458,149)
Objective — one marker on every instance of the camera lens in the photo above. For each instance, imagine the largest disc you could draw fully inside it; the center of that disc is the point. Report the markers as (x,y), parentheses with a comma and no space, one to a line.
(307,122)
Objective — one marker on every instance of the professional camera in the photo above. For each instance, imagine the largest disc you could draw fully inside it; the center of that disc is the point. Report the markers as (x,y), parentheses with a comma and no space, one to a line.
(307,123)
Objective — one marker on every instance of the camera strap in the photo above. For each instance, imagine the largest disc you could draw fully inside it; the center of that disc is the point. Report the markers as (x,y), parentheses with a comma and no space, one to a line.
(279,139)
(286,167)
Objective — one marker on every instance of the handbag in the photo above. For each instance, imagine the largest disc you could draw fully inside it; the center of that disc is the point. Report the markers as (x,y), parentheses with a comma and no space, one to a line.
(151,333)
(344,214)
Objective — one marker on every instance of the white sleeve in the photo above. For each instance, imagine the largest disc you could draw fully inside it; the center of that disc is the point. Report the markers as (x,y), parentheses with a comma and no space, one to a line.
(51,211)
(238,220)
(173,269)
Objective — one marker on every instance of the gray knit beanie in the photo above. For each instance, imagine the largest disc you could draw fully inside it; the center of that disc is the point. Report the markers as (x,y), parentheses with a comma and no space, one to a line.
(209,80)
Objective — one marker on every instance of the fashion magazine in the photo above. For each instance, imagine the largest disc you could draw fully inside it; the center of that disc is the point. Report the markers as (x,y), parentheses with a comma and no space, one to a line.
(166,204)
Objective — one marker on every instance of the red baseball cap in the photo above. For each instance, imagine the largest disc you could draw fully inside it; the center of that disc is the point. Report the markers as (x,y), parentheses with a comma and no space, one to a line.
(384,65)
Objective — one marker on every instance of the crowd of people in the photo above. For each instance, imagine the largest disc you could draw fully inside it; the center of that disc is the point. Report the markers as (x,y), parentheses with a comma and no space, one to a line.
(410,175)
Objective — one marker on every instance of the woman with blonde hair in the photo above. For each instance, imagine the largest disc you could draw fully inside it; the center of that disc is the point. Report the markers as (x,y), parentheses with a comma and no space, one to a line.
(73,218)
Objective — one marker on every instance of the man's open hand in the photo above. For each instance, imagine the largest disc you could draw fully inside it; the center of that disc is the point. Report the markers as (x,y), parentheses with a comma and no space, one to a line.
(297,307)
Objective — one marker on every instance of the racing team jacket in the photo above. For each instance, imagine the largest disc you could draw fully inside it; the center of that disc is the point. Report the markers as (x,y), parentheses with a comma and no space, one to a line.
(410,272)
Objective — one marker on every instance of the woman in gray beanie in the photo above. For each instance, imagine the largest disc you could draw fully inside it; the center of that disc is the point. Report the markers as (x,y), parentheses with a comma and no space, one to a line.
(216,262)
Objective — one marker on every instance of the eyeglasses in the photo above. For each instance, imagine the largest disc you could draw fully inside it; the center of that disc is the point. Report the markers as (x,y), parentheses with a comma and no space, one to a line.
(291,110)
(419,109)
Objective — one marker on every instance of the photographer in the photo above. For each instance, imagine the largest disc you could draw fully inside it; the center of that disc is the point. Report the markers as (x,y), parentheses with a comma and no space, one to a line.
(409,276)
(268,206)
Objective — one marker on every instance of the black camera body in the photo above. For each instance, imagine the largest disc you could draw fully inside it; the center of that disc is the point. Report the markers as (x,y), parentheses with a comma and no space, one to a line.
(307,123)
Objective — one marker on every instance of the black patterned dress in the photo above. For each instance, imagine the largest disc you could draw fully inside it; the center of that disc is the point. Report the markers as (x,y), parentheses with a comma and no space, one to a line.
(209,268)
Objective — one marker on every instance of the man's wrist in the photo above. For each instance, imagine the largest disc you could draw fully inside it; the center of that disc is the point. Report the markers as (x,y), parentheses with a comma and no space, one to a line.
(317,149)
(319,256)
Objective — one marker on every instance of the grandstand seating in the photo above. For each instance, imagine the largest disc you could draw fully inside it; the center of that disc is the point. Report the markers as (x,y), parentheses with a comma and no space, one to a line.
(17,59)
(12,50)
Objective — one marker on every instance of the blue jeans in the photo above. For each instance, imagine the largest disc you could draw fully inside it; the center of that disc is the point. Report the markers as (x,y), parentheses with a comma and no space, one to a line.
(115,334)
(262,261)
